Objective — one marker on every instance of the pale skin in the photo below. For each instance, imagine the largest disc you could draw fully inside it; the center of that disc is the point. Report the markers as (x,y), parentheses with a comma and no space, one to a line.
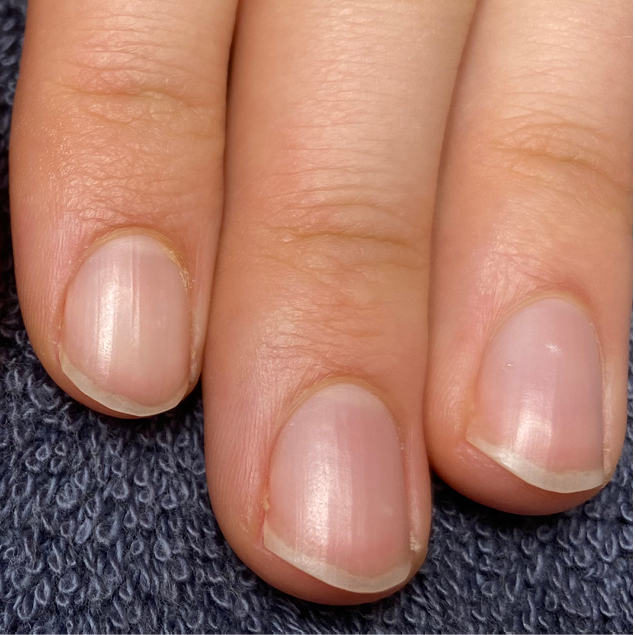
(417,211)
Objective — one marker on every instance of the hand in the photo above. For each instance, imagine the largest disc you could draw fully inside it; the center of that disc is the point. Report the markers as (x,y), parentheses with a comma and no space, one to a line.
(425,254)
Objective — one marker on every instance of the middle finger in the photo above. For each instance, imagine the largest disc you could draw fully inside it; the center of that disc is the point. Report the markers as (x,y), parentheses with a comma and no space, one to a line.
(335,125)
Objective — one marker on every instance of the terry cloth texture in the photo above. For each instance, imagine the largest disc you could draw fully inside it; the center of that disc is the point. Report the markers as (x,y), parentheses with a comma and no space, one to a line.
(106,526)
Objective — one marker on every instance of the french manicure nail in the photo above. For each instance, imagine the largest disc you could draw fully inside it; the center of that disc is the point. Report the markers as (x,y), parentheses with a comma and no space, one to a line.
(538,399)
(125,340)
(336,505)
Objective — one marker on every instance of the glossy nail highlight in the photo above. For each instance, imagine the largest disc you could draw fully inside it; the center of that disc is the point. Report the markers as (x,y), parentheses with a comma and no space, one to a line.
(538,399)
(125,340)
(336,502)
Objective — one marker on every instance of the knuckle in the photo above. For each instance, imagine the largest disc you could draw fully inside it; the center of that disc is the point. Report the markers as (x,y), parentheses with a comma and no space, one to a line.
(331,232)
(343,265)
(561,154)
(127,73)
(128,126)
(106,174)
(113,173)
(149,112)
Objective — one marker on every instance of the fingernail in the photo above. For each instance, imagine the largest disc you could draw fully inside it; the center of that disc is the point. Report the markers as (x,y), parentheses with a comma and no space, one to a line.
(125,340)
(538,400)
(336,501)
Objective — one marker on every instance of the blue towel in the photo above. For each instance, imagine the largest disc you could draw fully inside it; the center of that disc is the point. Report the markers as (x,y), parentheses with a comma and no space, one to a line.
(106,526)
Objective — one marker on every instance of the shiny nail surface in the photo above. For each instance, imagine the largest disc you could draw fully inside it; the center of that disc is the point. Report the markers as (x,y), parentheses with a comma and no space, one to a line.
(336,505)
(538,399)
(125,340)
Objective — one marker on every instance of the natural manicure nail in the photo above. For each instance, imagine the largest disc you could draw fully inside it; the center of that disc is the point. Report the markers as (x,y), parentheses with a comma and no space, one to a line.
(336,505)
(125,340)
(538,400)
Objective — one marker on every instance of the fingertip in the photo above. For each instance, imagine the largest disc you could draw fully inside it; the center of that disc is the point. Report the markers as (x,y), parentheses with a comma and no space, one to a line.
(115,232)
(531,440)
(333,523)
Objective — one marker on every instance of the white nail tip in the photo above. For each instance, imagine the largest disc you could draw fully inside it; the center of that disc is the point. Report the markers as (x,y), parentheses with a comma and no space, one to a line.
(113,402)
(560,482)
(334,576)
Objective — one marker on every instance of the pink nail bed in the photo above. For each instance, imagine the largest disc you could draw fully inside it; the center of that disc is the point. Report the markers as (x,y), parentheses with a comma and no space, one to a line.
(336,502)
(125,340)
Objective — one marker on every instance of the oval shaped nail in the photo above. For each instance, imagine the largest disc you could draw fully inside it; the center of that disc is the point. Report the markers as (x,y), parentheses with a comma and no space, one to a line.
(125,340)
(337,505)
(538,399)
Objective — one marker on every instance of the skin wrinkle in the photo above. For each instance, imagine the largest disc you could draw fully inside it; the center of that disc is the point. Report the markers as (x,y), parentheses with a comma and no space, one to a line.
(310,202)
(323,261)
(345,326)
(98,79)
(321,350)
(555,185)
(153,107)
(123,41)
(302,236)
(315,191)
(562,138)
(147,112)
(123,177)
(546,144)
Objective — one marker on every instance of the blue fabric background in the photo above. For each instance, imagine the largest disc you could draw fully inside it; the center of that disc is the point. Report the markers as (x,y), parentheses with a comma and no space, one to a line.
(106,526)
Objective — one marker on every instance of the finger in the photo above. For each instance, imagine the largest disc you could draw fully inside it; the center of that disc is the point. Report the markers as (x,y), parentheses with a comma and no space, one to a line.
(319,313)
(116,193)
(531,288)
